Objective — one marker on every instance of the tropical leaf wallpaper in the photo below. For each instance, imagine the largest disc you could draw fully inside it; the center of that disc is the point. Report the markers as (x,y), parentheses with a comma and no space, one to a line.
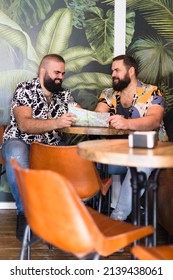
(31,29)
(82,31)
(151,43)
(149,38)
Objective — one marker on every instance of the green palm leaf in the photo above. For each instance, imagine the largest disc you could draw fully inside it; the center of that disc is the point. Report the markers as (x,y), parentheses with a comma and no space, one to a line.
(111,2)
(55,33)
(155,59)
(91,81)
(16,37)
(27,13)
(87,99)
(14,77)
(6,55)
(158,14)
(77,57)
(130,27)
(100,34)
(167,94)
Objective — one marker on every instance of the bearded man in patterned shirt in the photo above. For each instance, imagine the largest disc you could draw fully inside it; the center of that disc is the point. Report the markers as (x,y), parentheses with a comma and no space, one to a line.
(133,105)
(39,109)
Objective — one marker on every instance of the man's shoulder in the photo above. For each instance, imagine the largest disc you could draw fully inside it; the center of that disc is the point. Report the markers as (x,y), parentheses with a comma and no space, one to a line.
(148,88)
(107,92)
(27,83)
(65,90)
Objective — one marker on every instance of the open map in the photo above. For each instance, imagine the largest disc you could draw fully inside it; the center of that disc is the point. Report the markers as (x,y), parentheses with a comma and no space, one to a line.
(89,118)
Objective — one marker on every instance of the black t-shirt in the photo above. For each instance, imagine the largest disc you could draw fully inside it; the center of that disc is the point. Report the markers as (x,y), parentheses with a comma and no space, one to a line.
(123,111)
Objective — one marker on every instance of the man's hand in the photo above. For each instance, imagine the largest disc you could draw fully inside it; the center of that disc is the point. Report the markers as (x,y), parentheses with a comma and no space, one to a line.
(66,120)
(118,122)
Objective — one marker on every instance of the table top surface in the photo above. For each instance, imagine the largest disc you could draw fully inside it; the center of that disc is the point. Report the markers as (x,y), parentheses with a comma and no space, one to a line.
(90,130)
(118,152)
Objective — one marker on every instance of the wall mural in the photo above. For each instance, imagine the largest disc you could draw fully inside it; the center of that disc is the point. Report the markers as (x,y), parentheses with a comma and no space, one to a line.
(149,34)
(82,31)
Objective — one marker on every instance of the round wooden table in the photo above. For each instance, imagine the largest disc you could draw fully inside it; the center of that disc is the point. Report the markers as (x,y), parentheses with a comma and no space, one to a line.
(118,152)
(91,130)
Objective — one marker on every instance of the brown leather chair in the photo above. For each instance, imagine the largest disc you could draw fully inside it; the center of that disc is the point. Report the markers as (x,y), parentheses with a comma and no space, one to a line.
(56,214)
(65,160)
(153,253)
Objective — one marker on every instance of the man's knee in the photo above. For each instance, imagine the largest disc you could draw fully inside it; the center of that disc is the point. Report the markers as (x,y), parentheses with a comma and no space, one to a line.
(15,148)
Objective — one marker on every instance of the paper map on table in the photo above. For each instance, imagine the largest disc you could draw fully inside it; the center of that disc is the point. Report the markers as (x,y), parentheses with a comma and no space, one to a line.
(89,118)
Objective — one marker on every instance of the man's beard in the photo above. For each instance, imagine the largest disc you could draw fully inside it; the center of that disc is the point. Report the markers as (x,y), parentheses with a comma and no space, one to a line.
(51,85)
(122,84)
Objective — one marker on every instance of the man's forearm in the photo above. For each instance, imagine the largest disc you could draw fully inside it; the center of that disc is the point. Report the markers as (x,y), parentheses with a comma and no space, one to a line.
(145,123)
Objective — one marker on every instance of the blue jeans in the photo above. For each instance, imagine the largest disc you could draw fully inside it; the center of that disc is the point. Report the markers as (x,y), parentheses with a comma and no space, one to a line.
(19,150)
(116,169)
(124,203)
(125,198)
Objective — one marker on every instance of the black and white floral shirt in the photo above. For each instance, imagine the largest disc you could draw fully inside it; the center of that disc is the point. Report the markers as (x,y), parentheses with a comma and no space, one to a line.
(29,93)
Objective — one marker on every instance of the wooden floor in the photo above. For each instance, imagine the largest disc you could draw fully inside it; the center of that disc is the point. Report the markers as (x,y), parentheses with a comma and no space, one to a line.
(10,246)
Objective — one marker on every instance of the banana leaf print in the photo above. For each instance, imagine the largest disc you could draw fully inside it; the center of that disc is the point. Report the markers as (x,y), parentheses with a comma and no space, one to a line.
(152,43)
(153,53)
(27,13)
(158,14)
(89,81)
(55,33)
(12,33)
(78,57)
(101,40)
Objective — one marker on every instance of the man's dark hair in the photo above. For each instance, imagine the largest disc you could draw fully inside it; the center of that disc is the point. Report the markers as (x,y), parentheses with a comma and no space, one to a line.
(128,61)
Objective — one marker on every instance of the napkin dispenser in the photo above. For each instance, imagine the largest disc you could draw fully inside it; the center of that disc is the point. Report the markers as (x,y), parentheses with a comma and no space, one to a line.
(143,139)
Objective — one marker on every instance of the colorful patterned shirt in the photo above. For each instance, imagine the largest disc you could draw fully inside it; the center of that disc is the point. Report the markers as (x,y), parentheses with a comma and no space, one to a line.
(29,93)
(144,97)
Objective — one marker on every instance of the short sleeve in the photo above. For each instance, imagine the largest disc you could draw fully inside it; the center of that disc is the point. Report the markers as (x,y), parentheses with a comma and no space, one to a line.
(22,97)
(158,100)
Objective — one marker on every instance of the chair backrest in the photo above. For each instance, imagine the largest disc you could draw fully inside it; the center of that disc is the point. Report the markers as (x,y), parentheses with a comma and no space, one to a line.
(54,210)
(66,161)
(161,252)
